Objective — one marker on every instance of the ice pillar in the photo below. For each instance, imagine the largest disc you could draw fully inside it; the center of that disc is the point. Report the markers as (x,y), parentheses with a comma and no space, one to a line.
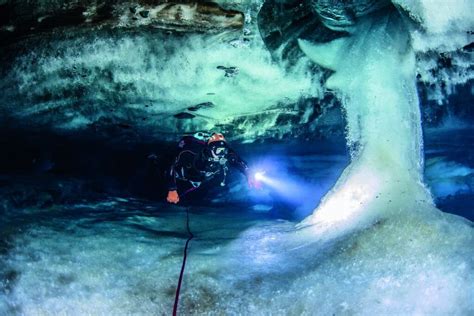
(374,74)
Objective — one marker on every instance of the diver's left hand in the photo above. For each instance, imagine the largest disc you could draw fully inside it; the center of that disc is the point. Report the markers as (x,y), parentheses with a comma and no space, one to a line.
(173,197)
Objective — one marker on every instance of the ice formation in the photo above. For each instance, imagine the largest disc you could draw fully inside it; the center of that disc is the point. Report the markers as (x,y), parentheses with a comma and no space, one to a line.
(374,71)
(87,81)
(383,186)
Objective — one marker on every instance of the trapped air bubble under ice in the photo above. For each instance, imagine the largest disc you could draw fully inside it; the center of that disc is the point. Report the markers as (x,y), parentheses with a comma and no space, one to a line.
(357,114)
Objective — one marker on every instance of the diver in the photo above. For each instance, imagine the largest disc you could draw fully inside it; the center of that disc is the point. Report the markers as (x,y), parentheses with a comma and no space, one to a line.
(201,159)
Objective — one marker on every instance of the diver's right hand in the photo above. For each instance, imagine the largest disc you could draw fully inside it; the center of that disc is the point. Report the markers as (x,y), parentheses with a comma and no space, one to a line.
(173,197)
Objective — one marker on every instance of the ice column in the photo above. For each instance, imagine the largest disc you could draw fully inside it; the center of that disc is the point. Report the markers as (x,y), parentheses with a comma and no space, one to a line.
(374,74)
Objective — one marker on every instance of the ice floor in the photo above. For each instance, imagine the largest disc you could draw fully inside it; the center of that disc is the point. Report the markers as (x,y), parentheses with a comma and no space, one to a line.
(122,256)
(114,257)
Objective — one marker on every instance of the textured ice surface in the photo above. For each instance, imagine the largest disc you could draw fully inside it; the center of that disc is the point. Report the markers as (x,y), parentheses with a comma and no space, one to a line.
(123,257)
(109,77)
(445,25)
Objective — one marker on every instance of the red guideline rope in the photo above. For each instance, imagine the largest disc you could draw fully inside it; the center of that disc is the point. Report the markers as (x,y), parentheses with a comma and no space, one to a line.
(178,289)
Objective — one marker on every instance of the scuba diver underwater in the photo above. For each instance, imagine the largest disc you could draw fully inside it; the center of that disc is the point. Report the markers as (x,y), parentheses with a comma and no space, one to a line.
(201,159)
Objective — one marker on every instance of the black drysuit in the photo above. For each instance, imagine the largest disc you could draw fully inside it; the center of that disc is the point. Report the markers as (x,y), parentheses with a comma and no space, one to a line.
(195,164)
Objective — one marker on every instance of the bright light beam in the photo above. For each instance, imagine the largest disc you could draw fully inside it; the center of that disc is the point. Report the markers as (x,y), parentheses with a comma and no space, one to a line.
(287,188)
(259,175)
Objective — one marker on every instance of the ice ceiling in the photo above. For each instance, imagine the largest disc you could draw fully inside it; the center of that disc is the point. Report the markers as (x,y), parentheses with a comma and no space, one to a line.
(164,69)
(273,69)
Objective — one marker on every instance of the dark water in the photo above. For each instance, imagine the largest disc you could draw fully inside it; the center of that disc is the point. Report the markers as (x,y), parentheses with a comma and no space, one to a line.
(449,157)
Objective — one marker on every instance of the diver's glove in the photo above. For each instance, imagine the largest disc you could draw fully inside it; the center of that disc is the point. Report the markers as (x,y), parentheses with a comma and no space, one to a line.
(173,197)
